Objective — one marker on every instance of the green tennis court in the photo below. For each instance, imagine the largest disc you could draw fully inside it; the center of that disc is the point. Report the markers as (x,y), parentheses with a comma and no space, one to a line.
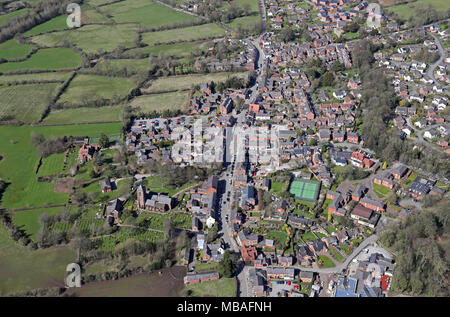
(304,189)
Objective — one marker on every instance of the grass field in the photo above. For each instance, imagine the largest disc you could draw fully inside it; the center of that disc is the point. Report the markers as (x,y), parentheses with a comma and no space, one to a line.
(327,263)
(13,49)
(146,13)
(187,34)
(132,65)
(336,255)
(25,103)
(158,185)
(56,24)
(28,220)
(20,160)
(51,165)
(165,84)
(92,38)
(279,236)
(46,59)
(407,10)
(224,287)
(84,114)
(50,76)
(5,17)
(159,102)
(96,87)
(244,22)
(175,50)
(380,191)
(22,269)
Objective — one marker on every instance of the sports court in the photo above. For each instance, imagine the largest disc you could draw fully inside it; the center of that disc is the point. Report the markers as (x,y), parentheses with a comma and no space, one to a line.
(304,189)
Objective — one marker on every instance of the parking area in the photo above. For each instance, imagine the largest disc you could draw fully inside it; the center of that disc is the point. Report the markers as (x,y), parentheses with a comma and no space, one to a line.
(279,287)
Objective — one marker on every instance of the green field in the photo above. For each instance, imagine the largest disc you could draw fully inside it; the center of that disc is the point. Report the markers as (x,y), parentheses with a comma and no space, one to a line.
(17,13)
(336,255)
(159,102)
(159,185)
(186,82)
(279,236)
(131,65)
(146,13)
(244,22)
(224,287)
(92,38)
(50,76)
(22,269)
(56,24)
(84,114)
(13,49)
(408,10)
(92,86)
(25,103)
(175,50)
(327,263)
(187,34)
(20,160)
(380,191)
(306,190)
(46,59)
(51,165)
(28,220)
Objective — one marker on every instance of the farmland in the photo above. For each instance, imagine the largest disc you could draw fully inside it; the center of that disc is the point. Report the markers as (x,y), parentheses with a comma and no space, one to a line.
(56,24)
(95,86)
(46,59)
(20,160)
(187,34)
(13,49)
(84,114)
(176,50)
(23,269)
(28,220)
(144,12)
(91,38)
(164,84)
(25,103)
(159,102)
(59,77)
(407,10)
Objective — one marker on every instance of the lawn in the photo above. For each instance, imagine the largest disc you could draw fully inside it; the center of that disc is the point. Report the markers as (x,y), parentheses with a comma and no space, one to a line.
(23,269)
(84,114)
(224,287)
(13,49)
(327,263)
(146,13)
(309,237)
(46,59)
(279,236)
(28,220)
(380,191)
(95,87)
(159,102)
(25,103)
(186,34)
(20,160)
(335,254)
(346,248)
(244,22)
(158,185)
(277,187)
(172,83)
(92,38)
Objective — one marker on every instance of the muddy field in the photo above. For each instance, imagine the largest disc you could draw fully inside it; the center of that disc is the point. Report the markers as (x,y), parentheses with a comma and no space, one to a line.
(162,283)
(64,185)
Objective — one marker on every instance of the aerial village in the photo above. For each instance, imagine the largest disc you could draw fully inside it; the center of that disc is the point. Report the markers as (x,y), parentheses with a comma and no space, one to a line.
(303,218)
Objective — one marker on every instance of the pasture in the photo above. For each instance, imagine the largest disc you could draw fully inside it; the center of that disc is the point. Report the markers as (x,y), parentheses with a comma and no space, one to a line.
(92,38)
(186,82)
(146,13)
(131,65)
(175,50)
(22,269)
(46,59)
(20,160)
(84,114)
(159,102)
(186,34)
(50,76)
(407,10)
(25,103)
(28,220)
(13,49)
(5,17)
(56,24)
(92,86)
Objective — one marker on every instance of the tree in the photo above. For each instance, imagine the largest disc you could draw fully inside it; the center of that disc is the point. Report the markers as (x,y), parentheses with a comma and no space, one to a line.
(103,142)
(228,265)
